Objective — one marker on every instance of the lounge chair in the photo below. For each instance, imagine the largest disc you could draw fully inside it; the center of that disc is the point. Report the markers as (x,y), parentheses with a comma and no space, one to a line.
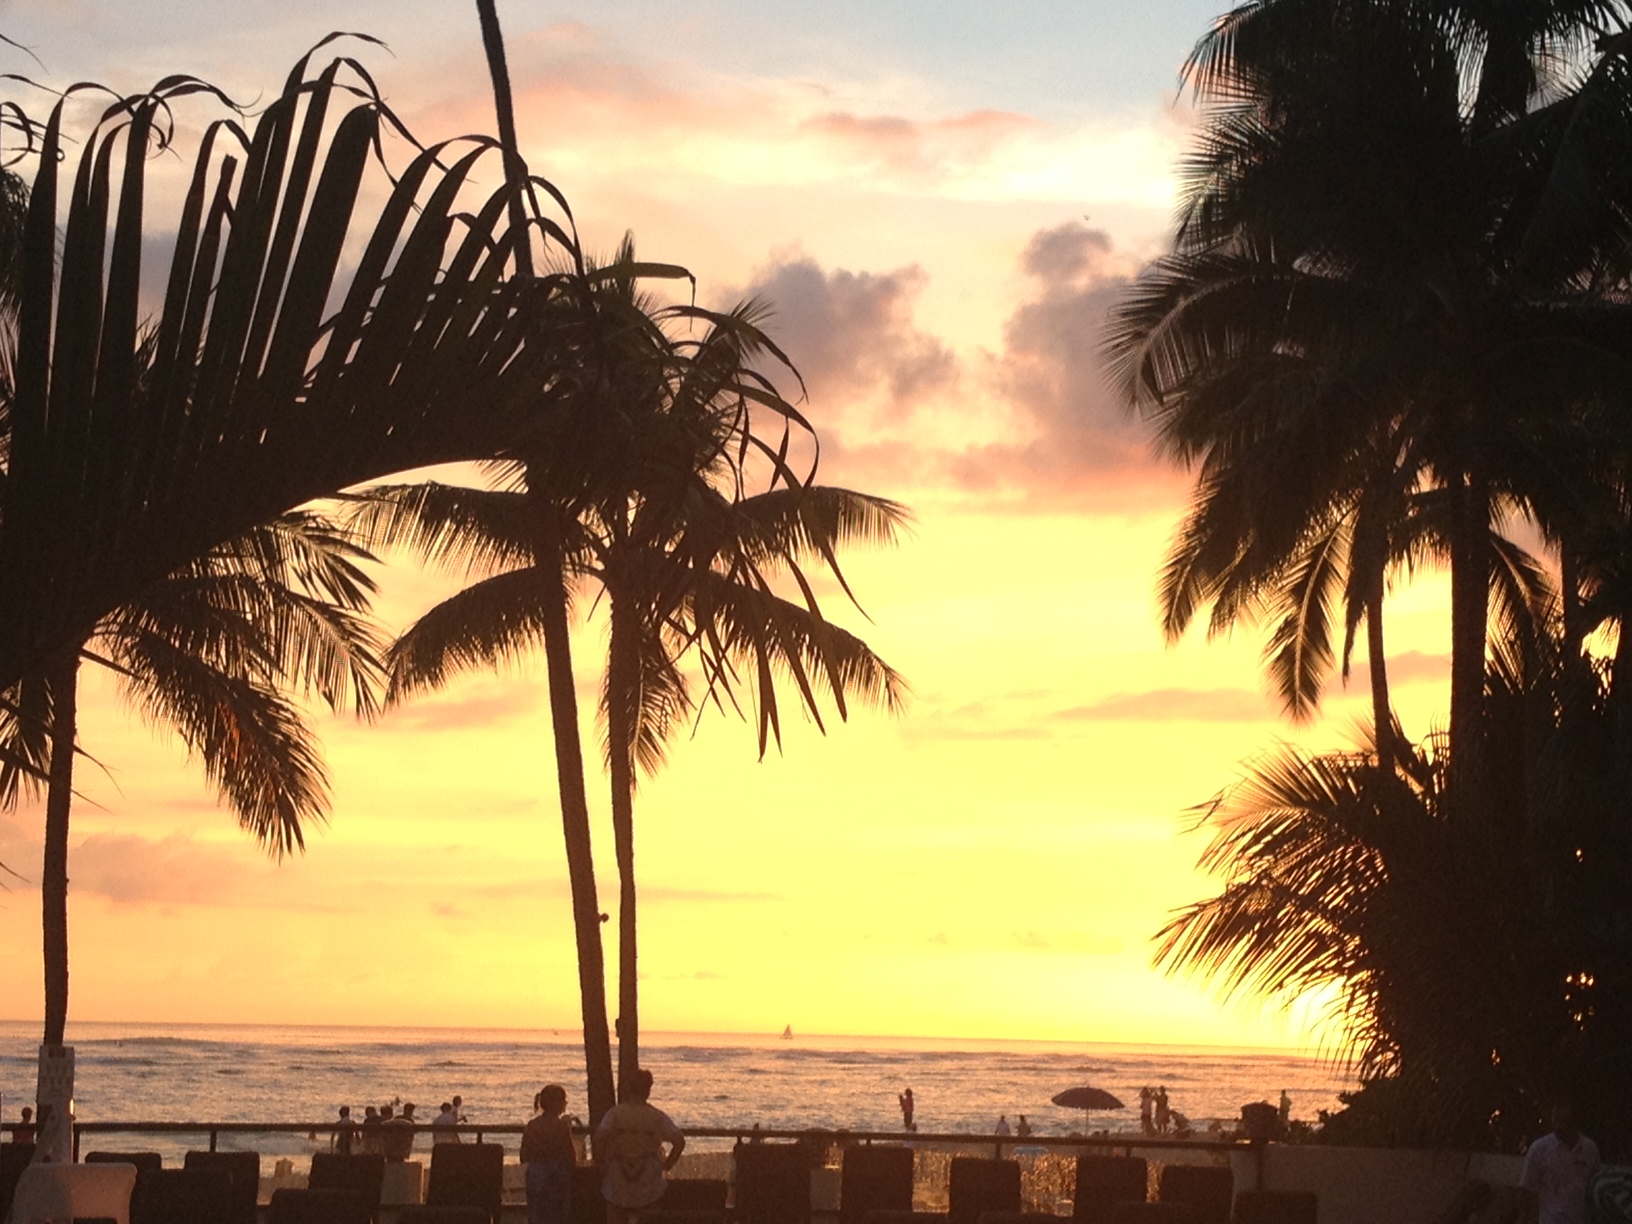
(70,1191)
(14,1158)
(588,1207)
(317,1207)
(467,1175)
(773,1183)
(1277,1207)
(243,1170)
(695,1194)
(1206,1189)
(978,1185)
(184,1196)
(1153,1213)
(1103,1182)
(361,1172)
(416,1214)
(874,1179)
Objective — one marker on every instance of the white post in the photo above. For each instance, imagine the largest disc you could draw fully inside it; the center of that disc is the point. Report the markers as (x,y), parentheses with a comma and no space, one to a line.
(54,1124)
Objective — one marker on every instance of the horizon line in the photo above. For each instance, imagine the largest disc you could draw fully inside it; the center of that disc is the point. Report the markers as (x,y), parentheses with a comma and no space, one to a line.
(575,1034)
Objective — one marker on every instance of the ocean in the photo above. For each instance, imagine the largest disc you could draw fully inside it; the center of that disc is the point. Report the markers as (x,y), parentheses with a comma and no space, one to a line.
(228,1073)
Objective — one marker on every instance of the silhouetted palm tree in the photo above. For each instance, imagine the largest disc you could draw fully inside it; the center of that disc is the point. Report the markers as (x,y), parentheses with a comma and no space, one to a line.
(262,399)
(689,565)
(212,650)
(1368,294)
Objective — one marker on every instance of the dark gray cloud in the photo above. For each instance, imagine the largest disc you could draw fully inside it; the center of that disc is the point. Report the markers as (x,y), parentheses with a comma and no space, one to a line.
(852,337)
(888,396)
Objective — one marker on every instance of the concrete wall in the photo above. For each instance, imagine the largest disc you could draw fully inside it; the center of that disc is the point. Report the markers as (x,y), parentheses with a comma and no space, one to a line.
(1372,1185)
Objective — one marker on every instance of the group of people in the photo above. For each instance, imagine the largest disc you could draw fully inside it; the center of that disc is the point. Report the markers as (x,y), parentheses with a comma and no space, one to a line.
(386,1132)
(1020,1130)
(635,1144)
(1155,1114)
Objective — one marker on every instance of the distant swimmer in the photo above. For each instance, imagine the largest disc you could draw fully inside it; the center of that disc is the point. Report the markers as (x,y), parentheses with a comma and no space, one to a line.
(905,1100)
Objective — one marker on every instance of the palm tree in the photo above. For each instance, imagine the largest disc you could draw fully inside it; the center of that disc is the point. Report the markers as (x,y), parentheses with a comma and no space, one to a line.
(261,398)
(1360,278)
(209,650)
(689,565)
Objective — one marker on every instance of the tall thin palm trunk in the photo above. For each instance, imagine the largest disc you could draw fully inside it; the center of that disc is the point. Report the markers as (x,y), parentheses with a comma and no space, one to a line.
(569,772)
(1382,712)
(623,685)
(504,108)
(1470,607)
(63,678)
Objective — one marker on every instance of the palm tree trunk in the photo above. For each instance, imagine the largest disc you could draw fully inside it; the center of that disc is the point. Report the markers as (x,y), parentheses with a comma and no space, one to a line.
(504,107)
(1382,711)
(1470,596)
(623,689)
(569,771)
(59,796)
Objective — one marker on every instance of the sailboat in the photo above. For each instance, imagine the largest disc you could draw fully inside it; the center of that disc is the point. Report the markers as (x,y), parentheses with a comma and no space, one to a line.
(787,1033)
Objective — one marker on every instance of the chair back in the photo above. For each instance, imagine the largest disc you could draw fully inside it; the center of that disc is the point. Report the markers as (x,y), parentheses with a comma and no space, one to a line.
(359,1172)
(773,1183)
(695,1194)
(70,1191)
(145,1162)
(588,1207)
(317,1207)
(978,1185)
(1277,1207)
(14,1158)
(1103,1182)
(1206,1189)
(874,1179)
(182,1196)
(467,1175)
(243,1170)
(1153,1213)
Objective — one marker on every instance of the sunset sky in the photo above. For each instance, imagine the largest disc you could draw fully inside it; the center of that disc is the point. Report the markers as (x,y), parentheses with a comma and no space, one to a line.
(940,200)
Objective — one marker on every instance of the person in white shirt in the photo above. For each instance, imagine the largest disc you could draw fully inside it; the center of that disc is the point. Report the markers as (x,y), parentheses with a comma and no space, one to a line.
(442,1124)
(1559,1168)
(629,1150)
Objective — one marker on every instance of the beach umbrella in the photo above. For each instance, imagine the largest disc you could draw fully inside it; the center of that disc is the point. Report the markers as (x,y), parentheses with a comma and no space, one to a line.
(1087,1099)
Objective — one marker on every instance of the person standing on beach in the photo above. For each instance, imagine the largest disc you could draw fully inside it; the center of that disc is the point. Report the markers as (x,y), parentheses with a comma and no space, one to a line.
(1147,1101)
(1002,1125)
(1164,1114)
(1023,1128)
(548,1158)
(629,1152)
(1559,1168)
(906,1110)
(397,1134)
(368,1135)
(442,1125)
(345,1132)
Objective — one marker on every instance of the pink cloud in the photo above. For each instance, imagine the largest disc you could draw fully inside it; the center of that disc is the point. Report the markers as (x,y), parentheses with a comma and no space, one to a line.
(916,148)
(1235,705)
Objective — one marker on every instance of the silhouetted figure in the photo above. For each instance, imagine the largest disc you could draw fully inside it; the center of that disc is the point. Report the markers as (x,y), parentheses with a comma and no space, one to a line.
(345,1134)
(397,1134)
(1002,1125)
(906,1110)
(629,1145)
(1147,1102)
(548,1157)
(442,1125)
(23,1132)
(1559,1168)
(1023,1128)
(1164,1115)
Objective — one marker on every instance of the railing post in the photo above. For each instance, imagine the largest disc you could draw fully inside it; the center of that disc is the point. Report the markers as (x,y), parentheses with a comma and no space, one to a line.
(212,1138)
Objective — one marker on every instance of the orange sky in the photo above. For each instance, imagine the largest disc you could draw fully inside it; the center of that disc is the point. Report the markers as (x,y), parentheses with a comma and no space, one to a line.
(994,861)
